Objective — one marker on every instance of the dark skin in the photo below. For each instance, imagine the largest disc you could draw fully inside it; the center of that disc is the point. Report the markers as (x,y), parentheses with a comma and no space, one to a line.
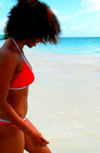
(13,105)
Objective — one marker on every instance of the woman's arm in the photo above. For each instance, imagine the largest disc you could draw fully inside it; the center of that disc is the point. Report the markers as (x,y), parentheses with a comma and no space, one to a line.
(8,65)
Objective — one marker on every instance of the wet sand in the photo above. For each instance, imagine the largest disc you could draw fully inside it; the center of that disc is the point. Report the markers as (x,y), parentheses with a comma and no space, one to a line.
(64,101)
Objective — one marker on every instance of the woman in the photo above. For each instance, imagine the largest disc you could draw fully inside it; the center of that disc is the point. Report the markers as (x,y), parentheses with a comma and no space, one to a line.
(29,22)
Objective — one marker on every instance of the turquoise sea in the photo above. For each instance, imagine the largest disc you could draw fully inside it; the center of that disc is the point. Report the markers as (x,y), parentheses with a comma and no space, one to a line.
(84,46)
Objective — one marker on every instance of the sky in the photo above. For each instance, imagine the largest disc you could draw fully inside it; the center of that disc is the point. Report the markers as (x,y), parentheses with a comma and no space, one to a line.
(78,18)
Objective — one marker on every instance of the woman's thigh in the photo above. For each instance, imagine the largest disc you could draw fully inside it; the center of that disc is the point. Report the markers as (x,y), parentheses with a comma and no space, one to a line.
(30,147)
(11,139)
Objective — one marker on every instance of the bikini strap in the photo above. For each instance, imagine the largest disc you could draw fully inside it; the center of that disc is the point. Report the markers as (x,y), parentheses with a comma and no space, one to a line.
(23,56)
(16,45)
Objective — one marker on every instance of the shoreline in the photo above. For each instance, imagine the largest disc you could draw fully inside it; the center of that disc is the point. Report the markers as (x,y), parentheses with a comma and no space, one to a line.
(64,101)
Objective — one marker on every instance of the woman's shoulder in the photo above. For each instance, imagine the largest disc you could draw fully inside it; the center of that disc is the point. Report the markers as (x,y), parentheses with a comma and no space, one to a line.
(8,61)
(8,54)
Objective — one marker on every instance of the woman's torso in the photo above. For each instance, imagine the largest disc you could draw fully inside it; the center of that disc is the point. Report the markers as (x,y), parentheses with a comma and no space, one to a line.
(16,98)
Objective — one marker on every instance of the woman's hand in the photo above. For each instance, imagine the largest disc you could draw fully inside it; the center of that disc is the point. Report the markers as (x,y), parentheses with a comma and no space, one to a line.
(36,138)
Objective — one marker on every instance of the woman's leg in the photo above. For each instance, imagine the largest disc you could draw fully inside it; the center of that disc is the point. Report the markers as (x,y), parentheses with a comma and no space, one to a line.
(11,139)
(30,147)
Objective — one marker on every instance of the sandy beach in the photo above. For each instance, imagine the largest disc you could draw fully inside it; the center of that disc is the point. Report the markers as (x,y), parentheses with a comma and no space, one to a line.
(64,101)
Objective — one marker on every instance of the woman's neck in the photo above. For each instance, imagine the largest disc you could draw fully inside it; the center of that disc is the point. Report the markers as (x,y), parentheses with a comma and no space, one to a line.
(20,43)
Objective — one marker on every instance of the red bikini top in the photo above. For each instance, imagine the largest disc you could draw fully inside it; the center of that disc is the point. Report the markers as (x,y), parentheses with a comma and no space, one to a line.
(25,78)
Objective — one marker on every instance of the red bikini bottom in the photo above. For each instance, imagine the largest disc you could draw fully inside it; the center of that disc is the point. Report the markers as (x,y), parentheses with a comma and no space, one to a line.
(8,122)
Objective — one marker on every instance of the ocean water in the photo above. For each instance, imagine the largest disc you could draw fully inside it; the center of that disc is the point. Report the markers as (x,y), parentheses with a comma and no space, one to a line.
(64,100)
(84,46)
(74,46)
